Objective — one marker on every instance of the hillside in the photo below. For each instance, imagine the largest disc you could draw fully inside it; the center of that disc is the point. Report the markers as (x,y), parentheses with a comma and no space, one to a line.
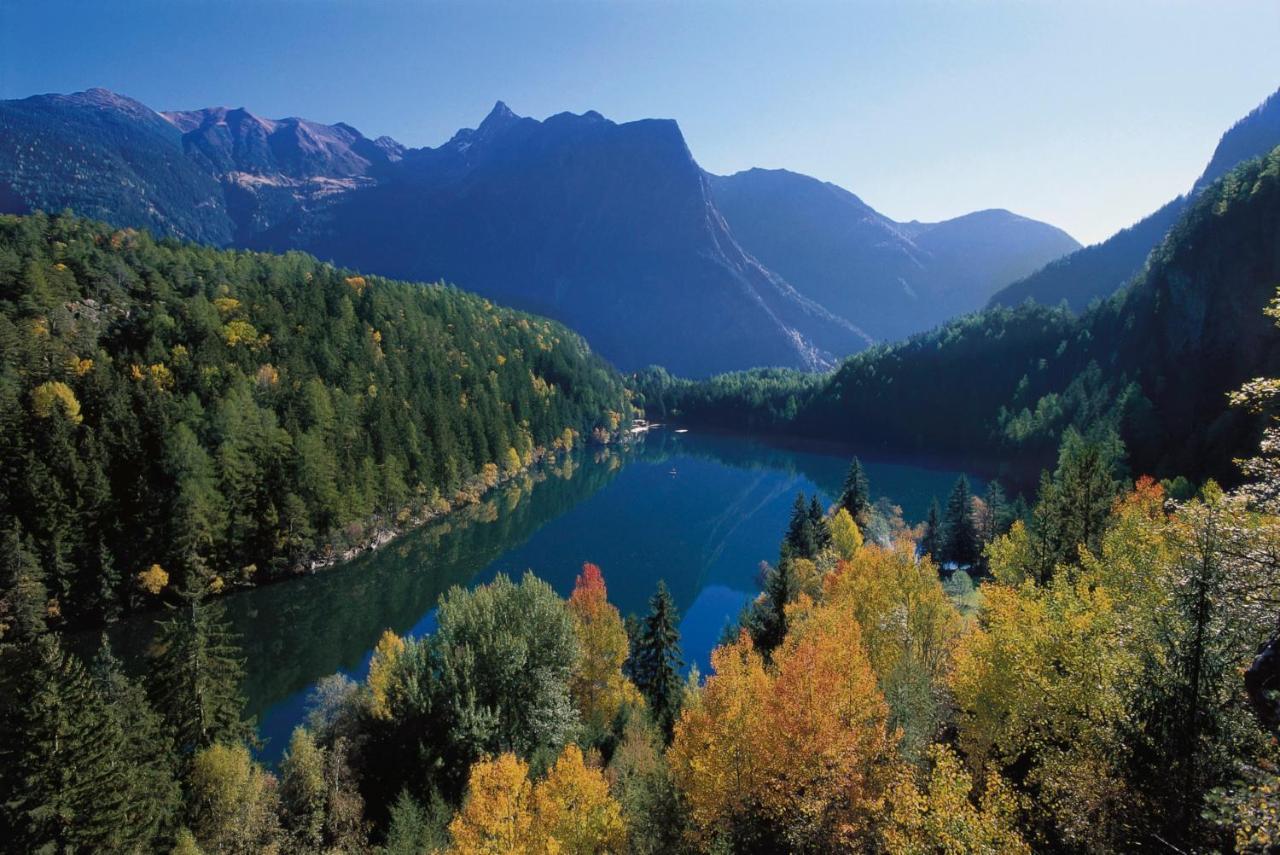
(190,408)
(1098,271)
(1155,362)
(896,279)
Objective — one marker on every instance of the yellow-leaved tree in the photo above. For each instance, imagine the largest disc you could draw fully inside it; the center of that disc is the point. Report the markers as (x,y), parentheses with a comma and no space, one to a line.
(570,811)
(942,817)
(598,686)
(389,649)
(798,755)
(909,629)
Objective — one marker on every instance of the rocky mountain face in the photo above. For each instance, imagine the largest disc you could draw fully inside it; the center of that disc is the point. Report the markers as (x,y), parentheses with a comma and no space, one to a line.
(1098,271)
(610,227)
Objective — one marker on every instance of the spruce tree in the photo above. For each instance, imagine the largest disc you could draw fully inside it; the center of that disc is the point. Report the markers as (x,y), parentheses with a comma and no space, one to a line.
(960,544)
(931,541)
(800,540)
(63,761)
(151,795)
(658,661)
(198,675)
(767,621)
(818,524)
(855,497)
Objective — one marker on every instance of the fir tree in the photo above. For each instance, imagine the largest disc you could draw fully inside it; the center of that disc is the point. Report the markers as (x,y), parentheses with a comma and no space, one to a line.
(151,796)
(198,673)
(855,497)
(818,523)
(658,661)
(931,541)
(767,621)
(62,758)
(801,540)
(960,543)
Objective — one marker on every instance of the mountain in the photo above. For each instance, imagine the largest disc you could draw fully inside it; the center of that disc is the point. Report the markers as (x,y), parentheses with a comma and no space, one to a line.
(274,172)
(610,227)
(107,157)
(997,389)
(895,278)
(1097,271)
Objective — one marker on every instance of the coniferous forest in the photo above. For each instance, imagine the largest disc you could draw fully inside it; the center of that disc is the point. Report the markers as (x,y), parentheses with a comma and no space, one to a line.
(299,556)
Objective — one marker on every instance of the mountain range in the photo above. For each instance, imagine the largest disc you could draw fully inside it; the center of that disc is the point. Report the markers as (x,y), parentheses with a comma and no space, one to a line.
(1098,271)
(613,228)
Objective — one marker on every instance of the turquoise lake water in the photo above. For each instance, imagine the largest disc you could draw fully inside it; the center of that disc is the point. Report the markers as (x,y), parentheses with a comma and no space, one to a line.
(699,511)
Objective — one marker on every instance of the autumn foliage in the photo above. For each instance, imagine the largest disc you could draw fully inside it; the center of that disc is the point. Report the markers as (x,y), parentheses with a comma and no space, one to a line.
(598,685)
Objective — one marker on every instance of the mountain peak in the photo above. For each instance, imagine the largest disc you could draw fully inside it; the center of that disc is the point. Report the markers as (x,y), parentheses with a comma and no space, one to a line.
(499,117)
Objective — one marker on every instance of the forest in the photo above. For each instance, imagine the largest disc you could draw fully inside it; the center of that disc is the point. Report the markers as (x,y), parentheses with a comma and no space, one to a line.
(1154,364)
(174,414)
(1109,686)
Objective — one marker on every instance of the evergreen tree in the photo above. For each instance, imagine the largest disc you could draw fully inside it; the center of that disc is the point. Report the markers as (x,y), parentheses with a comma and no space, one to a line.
(801,539)
(149,786)
(998,517)
(855,497)
(931,541)
(960,541)
(767,621)
(658,661)
(818,523)
(64,770)
(1076,499)
(303,791)
(198,675)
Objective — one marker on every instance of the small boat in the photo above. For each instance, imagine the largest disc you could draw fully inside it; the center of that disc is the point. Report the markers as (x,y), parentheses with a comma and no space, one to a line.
(672,473)
(682,430)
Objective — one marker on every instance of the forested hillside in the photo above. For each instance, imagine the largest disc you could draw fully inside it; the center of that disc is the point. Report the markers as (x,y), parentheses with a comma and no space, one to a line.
(1098,271)
(173,414)
(1155,363)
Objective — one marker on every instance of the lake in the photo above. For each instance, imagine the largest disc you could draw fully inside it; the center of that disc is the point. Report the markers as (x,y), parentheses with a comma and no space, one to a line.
(700,511)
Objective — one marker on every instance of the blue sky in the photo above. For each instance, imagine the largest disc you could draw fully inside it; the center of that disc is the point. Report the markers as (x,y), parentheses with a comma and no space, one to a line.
(1085,114)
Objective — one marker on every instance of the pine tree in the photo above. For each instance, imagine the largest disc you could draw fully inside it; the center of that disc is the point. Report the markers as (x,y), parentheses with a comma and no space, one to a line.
(960,543)
(63,761)
(999,516)
(768,617)
(198,673)
(931,541)
(855,496)
(151,796)
(801,540)
(658,661)
(818,524)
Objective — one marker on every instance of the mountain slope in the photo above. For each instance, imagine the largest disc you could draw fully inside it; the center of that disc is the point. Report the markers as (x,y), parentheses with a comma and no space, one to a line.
(109,157)
(608,227)
(895,279)
(243,413)
(1097,271)
(1155,362)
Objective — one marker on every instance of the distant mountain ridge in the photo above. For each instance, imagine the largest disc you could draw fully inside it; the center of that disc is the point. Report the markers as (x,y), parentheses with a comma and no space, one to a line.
(847,256)
(1098,271)
(611,227)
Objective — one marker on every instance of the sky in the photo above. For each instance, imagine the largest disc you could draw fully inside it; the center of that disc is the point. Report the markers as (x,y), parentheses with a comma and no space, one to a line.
(1088,115)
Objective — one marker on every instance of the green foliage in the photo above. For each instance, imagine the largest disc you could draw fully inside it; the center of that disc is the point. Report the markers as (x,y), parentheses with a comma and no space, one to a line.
(656,660)
(246,413)
(197,675)
(855,497)
(960,538)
